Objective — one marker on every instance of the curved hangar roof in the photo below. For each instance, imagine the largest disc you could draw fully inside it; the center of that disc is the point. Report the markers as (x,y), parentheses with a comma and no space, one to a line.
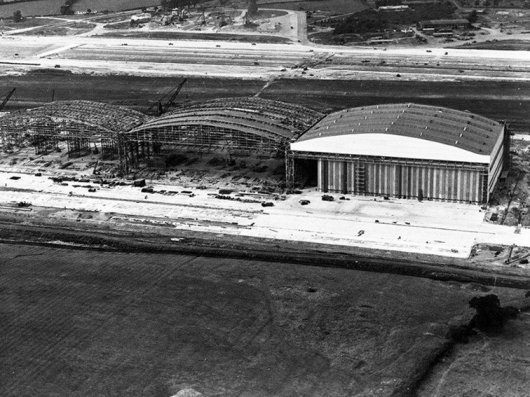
(100,115)
(278,121)
(405,131)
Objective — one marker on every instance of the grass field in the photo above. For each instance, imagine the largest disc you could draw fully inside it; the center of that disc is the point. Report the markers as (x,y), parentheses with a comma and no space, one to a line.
(27,23)
(505,45)
(113,5)
(196,36)
(331,7)
(78,322)
(30,8)
(52,7)
(61,29)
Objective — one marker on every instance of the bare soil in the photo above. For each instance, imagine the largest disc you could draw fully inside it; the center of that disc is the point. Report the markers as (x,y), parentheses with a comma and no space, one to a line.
(509,101)
(81,322)
(198,36)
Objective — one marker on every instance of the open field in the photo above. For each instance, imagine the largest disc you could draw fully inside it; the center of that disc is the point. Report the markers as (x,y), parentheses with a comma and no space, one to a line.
(92,322)
(61,29)
(52,7)
(494,366)
(113,5)
(498,100)
(26,23)
(31,8)
(248,38)
(333,7)
(506,45)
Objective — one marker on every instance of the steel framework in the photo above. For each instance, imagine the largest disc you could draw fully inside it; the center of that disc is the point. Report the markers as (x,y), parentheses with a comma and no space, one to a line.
(78,123)
(238,126)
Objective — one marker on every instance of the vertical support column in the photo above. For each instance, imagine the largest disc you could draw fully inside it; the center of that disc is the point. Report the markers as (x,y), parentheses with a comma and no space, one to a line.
(325,175)
(484,187)
(506,147)
(289,170)
(344,182)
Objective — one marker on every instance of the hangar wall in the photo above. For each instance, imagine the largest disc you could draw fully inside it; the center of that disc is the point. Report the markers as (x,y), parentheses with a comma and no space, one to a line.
(449,182)
(498,158)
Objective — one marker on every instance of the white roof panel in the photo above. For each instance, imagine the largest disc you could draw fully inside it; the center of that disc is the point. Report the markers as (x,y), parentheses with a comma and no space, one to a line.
(387,145)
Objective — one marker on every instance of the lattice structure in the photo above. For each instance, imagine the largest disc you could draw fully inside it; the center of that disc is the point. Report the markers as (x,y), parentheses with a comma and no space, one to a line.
(239,126)
(78,123)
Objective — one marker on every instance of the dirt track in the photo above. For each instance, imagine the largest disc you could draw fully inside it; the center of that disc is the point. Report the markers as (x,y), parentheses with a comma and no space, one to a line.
(497,100)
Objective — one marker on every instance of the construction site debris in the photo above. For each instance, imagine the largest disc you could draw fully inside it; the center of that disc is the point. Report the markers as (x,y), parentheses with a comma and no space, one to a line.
(243,200)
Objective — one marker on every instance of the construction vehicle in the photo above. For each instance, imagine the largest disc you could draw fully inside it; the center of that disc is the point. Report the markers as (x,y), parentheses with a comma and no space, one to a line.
(7,98)
(167,101)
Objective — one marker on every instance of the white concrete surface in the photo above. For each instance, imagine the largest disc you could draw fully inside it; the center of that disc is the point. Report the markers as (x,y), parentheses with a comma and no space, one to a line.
(442,64)
(437,228)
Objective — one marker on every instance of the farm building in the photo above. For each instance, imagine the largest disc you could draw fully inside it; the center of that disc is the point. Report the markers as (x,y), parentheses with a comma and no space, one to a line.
(79,123)
(403,150)
(236,126)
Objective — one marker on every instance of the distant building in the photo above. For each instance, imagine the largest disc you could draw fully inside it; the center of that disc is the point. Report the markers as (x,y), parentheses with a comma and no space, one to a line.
(141,18)
(443,24)
(393,8)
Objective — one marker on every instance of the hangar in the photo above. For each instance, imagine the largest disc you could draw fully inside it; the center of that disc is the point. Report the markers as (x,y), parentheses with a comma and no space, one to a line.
(404,150)
(79,123)
(237,126)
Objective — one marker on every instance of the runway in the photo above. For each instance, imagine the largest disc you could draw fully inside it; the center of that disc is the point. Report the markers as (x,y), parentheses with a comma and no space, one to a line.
(259,60)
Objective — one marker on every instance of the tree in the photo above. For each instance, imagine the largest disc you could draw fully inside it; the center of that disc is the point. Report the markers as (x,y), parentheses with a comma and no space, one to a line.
(17,16)
(490,317)
(252,8)
(473,16)
(170,4)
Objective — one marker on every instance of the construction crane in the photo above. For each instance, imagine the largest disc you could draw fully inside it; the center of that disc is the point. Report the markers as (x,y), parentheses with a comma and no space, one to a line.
(168,100)
(7,98)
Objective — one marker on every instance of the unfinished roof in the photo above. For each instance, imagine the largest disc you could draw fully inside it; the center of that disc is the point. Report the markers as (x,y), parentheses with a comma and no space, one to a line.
(404,130)
(100,115)
(274,120)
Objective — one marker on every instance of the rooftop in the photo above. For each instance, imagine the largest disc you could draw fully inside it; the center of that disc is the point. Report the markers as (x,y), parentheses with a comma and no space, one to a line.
(267,118)
(408,123)
(104,116)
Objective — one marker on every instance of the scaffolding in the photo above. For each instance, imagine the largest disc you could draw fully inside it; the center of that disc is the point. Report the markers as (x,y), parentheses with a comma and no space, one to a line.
(236,126)
(78,123)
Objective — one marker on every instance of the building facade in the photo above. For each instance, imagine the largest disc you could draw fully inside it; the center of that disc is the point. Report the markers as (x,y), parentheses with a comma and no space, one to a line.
(404,151)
